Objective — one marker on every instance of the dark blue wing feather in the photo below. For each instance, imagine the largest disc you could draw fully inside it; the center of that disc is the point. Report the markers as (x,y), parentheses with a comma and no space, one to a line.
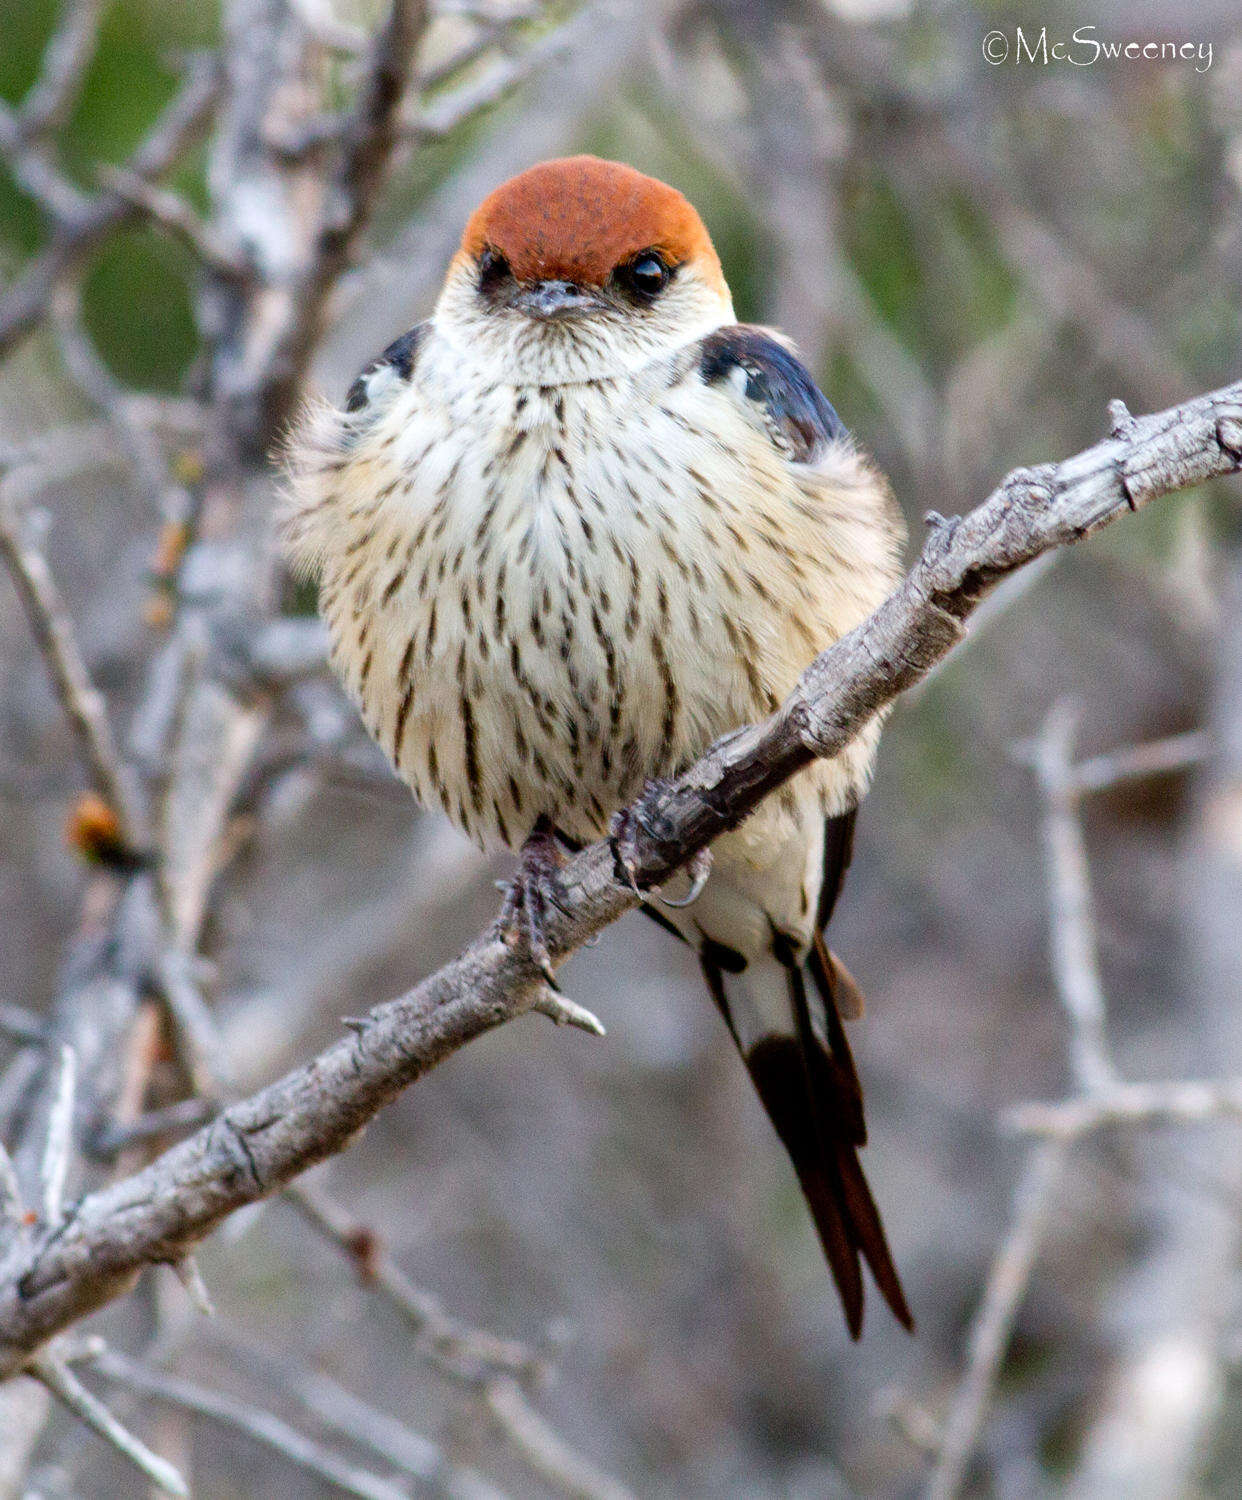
(798,414)
(399,357)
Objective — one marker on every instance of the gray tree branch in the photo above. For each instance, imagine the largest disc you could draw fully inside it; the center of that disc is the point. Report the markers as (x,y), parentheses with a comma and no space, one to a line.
(259,1144)
(76,231)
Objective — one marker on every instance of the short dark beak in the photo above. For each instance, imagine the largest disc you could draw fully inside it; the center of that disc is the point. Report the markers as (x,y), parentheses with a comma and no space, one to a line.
(553,299)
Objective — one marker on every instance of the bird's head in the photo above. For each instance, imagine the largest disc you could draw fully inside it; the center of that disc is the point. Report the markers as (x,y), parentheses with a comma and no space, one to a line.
(580,269)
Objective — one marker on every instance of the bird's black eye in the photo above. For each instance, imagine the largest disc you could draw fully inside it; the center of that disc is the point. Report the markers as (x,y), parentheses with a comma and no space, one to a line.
(493,268)
(645,276)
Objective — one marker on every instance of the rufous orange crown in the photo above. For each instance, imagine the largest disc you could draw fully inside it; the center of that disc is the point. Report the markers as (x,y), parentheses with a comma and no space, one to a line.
(576,218)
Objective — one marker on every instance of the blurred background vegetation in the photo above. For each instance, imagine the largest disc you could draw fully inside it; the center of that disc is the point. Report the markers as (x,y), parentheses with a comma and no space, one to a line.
(974,259)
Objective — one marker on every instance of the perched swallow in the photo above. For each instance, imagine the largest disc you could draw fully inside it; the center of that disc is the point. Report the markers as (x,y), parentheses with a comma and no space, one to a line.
(570,531)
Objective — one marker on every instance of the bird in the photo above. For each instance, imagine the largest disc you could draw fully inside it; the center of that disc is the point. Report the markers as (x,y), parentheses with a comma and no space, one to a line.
(568,532)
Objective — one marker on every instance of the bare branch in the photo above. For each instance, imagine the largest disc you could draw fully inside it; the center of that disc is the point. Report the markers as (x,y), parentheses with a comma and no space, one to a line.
(1159,758)
(22,1026)
(498,1369)
(193,1027)
(66,58)
(59,1147)
(992,1327)
(56,639)
(25,301)
(260,1144)
(191,1278)
(342,1412)
(450,111)
(1071,929)
(69,1390)
(16,1083)
(370,134)
(456,1350)
(544,1450)
(171,211)
(1192,1102)
(172,1120)
(256,1423)
(96,382)
(436,121)
(491,31)
(1102,1098)
(12,1210)
(998,602)
(563,1011)
(35,171)
(328,29)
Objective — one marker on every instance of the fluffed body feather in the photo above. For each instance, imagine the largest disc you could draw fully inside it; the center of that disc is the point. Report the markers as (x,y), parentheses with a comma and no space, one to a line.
(541,596)
(559,559)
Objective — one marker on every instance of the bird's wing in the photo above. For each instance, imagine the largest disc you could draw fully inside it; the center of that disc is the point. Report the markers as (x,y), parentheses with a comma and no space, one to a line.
(385,374)
(774,384)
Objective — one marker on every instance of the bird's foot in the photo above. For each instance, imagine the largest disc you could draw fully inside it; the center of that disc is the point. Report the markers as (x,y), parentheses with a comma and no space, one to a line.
(532,893)
(699,868)
(626,826)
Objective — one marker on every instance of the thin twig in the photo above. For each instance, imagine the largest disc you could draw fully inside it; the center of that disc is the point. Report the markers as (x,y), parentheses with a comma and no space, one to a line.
(497,1368)
(1101,1096)
(1190,1102)
(35,171)
(1159,758)
(89,1409)
(455,1348)
(12,1210)
(1071,928)
(65,60)
(560,1009)
(998,604)
(16,1082)
(344,1413)
(191,1278)
(369,136)
(172,1120)
(544,1450)
(491,32)
(450,113)
(172,212)
(58,1150)
(328,29)
(262,1426)
(194,1029)
(992,1326)
(25,301)
(96,382)
(54,634)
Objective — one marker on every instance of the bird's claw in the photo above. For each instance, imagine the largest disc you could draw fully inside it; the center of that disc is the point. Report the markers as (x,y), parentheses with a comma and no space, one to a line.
(529,897)
(627,823)
(622,835)
(625,827)
(699,868)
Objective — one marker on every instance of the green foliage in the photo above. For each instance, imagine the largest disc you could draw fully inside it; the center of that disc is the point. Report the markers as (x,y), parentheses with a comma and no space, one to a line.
(938,279)
(25,28)
(136,306)
(882,247)
(136,291)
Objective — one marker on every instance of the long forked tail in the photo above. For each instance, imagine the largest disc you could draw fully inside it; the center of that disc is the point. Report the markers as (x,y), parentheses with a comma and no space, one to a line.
(805,1076)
